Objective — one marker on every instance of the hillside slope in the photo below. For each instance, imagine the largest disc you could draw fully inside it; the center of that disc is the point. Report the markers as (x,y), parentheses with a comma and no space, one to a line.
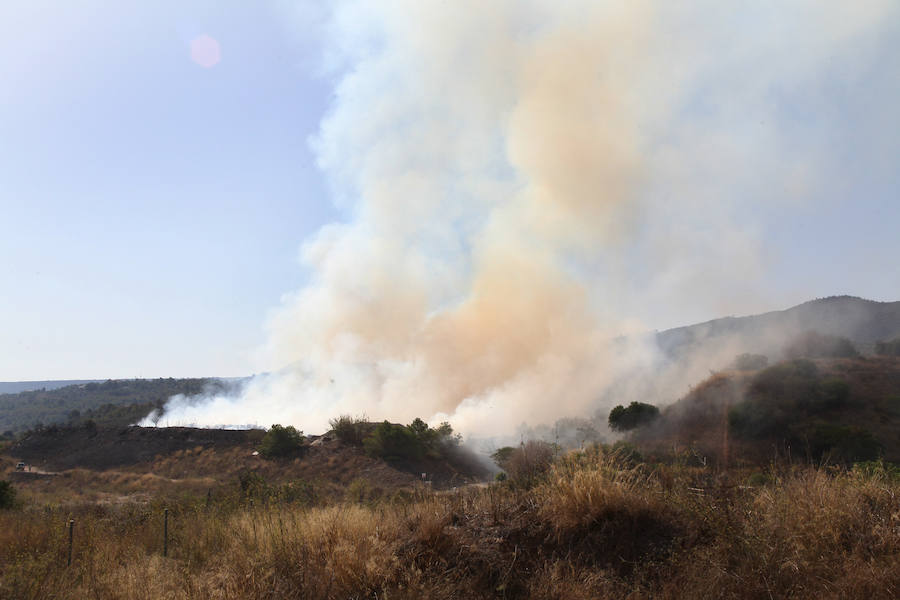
(113,402)
(132,459)
(14,387)
(864,322)
(824,409)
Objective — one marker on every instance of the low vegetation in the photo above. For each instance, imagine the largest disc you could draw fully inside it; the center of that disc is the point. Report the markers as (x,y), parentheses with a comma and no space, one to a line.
(750,362)
(889,348)
(7,494)
(591,526)
(813,344)
(801,501)
(790,403)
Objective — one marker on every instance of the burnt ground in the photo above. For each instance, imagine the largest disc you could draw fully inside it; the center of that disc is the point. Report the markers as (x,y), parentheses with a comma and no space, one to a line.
(94,448)
(182,453)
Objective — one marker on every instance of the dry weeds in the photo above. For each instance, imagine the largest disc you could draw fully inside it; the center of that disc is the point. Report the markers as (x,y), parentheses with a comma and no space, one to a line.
(595,527)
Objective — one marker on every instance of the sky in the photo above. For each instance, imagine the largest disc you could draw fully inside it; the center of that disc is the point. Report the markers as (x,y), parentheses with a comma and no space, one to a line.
(157,209)
(151,208)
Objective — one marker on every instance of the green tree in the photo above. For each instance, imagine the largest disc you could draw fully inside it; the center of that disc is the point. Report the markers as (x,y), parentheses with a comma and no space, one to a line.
(393,442)
(635,415)
(281,441)
(502,455)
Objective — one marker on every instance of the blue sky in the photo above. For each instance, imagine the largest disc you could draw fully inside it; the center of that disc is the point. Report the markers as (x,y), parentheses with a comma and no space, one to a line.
(152,210)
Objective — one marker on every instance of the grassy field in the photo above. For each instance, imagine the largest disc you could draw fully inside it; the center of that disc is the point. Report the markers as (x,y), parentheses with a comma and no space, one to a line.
(595,526)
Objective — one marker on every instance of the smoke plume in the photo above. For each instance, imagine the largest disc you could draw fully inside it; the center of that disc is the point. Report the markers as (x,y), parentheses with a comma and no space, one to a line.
(524,182)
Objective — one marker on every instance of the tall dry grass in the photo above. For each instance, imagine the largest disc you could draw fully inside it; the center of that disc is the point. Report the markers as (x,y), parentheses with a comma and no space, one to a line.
(594,527)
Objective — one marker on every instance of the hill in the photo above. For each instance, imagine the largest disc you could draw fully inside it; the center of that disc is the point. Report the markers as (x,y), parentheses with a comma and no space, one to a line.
(188,459)
(14,387)
(864,322)
(824,410)
(113,402)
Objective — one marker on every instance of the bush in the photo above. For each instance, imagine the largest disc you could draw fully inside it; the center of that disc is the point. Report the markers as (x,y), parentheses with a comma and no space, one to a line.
(750,362)
(348,429)
(840,443)
(835,393)
(626,453)
(877,469)
(299,492)
(282,441)
(502,455)
(781,398)
(411,442)
(529,462)
(7,494)
(891,348)
(393,442)
(361,491)
(813,344)
(636,415)
(253,485)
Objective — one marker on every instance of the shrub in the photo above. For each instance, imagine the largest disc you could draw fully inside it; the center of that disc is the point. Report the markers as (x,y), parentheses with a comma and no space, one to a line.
(891,348)
(413,441)
(501,456)
(782,398)
(299,492)
(361,491)
(758,479)
(750,362)
(348,429)
(626,453)
(281,441)
(835,393)
(813,344)
(636,415)
(7,494)
(393,442)
(253,485)
(877,469)
(529,462)
(841,443)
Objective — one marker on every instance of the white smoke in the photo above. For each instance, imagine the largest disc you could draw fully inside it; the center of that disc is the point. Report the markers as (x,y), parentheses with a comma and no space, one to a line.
(523,182)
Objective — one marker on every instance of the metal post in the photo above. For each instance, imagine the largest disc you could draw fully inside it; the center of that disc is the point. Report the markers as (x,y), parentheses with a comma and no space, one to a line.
(166,532)
(71,534)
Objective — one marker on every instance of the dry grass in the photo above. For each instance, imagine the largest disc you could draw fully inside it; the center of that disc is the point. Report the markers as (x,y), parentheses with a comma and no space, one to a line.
(593,528)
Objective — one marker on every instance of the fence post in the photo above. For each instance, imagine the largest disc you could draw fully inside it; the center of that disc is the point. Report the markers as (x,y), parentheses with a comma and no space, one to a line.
(166,532)
(71,534)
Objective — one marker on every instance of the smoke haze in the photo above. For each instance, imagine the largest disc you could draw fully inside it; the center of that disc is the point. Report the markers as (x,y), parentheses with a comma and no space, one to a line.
(524,182)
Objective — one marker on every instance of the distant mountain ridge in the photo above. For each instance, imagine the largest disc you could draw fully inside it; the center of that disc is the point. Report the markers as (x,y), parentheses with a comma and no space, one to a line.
(14,387)
(862,321)
(112,402)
